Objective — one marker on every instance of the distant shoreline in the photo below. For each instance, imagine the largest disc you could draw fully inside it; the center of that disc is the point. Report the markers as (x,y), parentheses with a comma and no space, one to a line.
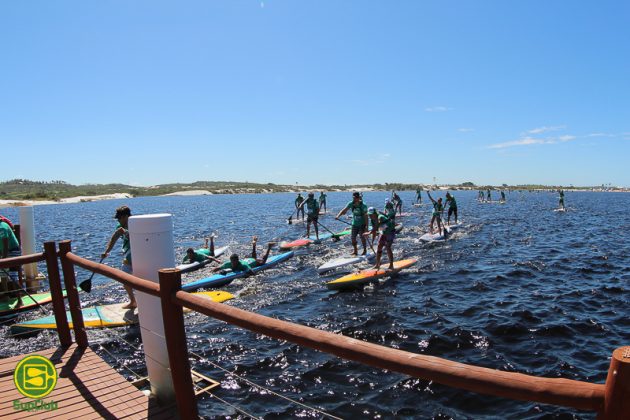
(118,196)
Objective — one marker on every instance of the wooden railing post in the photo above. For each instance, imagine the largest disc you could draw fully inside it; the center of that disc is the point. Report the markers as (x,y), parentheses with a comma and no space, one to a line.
(617,394)
(175,335)
(73,296)
(56,292)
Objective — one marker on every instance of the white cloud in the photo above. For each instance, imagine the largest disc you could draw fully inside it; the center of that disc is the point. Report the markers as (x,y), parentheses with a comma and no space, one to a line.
(566,138)
(540,130)
(522,142)
(438,109)
(465,130)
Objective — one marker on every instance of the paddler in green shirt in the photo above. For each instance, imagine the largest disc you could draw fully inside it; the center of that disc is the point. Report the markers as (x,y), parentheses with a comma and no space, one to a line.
(322,201)
(200,255)
(389,209)
(438,208)
(359,220)
(452,208)
(235,264)
(312,214)
(298,204)
(122,231)
(388,234)
(419,195)
(11,250)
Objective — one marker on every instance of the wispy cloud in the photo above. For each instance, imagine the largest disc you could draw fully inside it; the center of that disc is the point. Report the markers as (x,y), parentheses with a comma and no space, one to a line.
(465,130)
(528,141)
(541,130)
(438,109)
(377,160)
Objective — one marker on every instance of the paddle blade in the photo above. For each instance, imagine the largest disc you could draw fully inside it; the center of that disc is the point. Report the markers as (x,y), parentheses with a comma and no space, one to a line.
(290,220)
(86,286)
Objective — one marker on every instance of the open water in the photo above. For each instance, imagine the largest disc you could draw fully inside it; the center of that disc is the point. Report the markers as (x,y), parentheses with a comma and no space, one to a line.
(519,288)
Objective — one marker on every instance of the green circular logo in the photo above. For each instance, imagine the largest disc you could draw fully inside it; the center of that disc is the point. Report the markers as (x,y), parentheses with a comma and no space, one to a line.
(35,376)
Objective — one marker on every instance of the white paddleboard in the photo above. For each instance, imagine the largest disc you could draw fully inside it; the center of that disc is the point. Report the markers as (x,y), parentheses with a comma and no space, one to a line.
(186,268)
(341,262)
(432,237)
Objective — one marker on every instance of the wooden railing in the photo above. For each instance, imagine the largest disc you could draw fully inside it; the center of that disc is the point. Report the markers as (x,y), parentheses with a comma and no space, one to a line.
(611,400)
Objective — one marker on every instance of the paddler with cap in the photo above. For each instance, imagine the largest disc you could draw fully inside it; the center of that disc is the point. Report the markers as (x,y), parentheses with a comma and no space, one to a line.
(312,214)
(359,220)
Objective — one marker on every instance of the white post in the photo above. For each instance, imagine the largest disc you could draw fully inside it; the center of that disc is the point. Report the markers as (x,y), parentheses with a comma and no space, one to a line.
(27,239)
(152,248)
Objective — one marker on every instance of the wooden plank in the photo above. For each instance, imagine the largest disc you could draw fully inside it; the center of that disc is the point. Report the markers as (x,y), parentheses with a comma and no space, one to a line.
(90,388)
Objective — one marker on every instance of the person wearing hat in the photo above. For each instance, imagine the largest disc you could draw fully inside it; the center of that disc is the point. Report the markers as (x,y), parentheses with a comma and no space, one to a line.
(386,240)
(359,220)
(373,218)
(389,210)
(312,214)
(122,231)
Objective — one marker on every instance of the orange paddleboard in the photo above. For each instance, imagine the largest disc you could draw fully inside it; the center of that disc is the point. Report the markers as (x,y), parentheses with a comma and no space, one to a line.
(354,280)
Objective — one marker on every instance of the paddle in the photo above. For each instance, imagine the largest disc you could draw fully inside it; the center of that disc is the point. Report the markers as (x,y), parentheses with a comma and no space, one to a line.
(335,237)
(86,285)
(343,221)
(290,219)
(19,289)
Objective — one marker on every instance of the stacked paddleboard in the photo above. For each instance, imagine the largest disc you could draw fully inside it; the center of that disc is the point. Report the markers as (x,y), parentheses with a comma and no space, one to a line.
(355,280)
(103,316)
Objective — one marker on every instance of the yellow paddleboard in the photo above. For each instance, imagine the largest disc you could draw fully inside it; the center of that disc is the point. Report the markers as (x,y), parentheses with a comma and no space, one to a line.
(354,280)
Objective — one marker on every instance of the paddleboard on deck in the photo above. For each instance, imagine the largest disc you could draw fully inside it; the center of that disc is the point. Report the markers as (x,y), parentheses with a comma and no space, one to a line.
(9,306)
(219,279)
(352,281)
(187,268)
(104,316)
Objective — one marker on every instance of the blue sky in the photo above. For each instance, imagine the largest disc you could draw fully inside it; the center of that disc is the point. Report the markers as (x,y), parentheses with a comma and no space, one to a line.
(332,92)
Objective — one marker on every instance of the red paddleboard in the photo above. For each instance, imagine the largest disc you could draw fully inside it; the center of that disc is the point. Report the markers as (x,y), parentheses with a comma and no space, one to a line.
(296,244)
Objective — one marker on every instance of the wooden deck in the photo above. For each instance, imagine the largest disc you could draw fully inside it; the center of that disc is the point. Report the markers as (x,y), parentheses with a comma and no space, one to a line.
(87,388)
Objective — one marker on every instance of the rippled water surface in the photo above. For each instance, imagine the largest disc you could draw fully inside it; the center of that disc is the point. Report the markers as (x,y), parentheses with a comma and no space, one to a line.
(519,288)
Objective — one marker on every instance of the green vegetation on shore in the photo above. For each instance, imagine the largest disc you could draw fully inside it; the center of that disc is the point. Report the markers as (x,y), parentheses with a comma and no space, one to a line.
(22,189)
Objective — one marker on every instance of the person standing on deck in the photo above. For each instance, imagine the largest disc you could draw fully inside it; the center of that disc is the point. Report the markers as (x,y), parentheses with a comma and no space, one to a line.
(438,208)
(488,199)
(322,201)
(502,196)
(359,220)
(122,231)
(480,196)
(452,208)
(312,214)
(561,202)
(298,203)
(11,250)
(373,218)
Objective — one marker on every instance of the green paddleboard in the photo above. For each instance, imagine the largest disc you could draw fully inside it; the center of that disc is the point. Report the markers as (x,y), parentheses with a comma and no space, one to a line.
(10,305)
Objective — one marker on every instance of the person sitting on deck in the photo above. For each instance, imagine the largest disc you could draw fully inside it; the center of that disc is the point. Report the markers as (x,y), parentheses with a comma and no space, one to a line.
(235,264)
